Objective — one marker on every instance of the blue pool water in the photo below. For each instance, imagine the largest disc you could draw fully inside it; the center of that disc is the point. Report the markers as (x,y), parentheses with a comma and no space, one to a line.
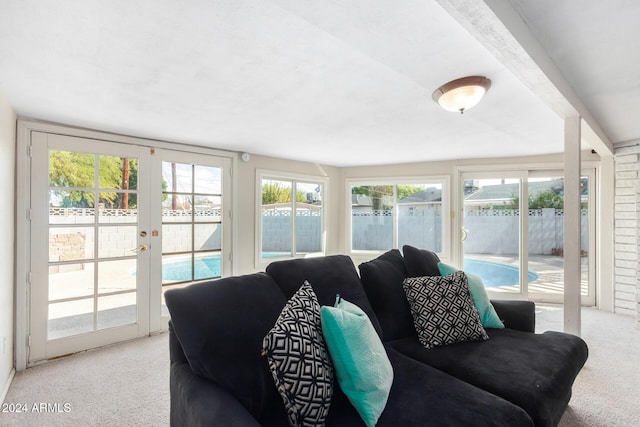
(496,274)
(180,270)
(205,268)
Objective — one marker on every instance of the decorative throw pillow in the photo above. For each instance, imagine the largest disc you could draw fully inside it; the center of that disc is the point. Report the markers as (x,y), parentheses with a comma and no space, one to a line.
(420,262)
(488,316)
(299,361)
(442,309)
(360,361)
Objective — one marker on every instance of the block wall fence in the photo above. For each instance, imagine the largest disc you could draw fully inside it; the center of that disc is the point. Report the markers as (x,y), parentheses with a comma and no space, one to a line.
(627,231)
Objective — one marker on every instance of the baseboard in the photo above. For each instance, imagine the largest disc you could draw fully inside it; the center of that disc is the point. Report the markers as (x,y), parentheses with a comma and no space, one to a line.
(5,390)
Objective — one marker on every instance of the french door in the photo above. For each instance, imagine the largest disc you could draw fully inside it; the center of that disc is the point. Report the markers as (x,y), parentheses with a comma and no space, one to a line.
(192,214)
(89,244)
(111,223)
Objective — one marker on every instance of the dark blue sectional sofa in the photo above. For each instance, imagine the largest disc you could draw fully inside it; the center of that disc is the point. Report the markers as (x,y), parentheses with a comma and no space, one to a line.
(219,378)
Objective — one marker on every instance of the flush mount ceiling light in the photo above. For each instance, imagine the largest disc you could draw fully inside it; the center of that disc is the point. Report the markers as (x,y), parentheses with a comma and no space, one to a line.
(461,94)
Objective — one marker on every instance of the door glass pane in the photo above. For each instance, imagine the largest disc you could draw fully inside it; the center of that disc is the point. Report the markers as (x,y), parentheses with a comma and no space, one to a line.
(118,172)
(207,237)
(420,216)
(117,208)
(546,237)
(176,208)
(491,232)
(176,269)
(71,244)
(207,179)
(70,281)
(176,238)
(207,266)
(208,208)
(117,276)
(116,310)
(276,217)
(70,318)
(308,218)
(117,241)
(372,217)
(71,207)
(70,169)
(178,177)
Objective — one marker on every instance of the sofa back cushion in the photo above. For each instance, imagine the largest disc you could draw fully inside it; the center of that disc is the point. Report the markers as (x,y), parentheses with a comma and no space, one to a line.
(420,262)
(382,279)
(220,325)
(328,276)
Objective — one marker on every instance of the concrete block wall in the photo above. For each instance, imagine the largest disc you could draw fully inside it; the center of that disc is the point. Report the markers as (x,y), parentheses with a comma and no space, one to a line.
(627,231)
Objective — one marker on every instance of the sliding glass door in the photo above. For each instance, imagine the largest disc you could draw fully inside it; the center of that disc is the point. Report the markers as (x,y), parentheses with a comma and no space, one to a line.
(512,233)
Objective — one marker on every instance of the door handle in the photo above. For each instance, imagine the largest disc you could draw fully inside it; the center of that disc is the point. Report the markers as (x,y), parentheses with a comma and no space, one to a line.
(142,248)
(464,234)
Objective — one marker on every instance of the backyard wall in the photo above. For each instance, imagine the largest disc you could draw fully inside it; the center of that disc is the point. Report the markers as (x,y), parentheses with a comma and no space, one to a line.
(627,241)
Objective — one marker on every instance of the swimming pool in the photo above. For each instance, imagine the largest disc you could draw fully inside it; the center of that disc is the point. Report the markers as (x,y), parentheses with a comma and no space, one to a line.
(179,270)
(206,267)
(496,274)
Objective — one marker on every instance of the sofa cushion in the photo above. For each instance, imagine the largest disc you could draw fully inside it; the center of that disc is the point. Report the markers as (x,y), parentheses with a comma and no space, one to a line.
(360,361)
(424,396)
(420,262)
(533,371)
(220,325)
(328,276)
(442,309)
(488,315)
(299,360)
(382,279)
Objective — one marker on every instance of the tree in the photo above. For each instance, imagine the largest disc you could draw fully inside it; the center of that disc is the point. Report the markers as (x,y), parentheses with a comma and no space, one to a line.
(545,199)
(379,194)
(279,192)
(74,174)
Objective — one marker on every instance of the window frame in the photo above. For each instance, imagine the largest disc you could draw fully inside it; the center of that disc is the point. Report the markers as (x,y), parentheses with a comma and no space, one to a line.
(294,178)
(443,180)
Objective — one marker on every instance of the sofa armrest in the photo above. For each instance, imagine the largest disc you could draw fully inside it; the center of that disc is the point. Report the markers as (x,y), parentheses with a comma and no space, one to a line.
(519,315)
(196,401)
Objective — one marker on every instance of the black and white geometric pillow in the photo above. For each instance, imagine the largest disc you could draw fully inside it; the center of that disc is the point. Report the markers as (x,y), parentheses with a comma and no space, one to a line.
(299,360)
(443,310)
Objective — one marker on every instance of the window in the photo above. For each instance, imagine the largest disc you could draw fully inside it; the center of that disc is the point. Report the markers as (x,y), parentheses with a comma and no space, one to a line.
(291,217)
(387,215)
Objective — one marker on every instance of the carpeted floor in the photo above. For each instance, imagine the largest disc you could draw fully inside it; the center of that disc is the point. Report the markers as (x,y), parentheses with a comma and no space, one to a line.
(128,384)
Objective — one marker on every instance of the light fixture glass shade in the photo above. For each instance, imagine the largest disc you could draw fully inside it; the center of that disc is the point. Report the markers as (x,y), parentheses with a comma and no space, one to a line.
(461,94)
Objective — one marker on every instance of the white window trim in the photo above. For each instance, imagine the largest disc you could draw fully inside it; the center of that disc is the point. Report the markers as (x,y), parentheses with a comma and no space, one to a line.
(261,174)
(524,171)
(444,180)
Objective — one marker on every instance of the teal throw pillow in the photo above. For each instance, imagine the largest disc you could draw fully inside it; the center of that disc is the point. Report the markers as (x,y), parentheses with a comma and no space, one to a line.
(360,361)
(488,316)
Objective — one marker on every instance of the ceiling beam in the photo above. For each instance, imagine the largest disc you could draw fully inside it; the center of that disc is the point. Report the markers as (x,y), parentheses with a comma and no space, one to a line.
(497,25)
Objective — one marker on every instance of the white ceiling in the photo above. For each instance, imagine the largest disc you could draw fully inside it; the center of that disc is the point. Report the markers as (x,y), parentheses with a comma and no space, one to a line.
(333,82)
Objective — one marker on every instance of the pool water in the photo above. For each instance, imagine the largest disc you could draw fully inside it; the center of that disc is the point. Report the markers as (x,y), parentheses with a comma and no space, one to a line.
(496,274)
(180,270)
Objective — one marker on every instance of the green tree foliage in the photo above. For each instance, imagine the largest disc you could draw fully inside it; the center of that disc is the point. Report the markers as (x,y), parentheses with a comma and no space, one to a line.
(407,190)
(74,174)
(380,195)
(279,192)
(545,199)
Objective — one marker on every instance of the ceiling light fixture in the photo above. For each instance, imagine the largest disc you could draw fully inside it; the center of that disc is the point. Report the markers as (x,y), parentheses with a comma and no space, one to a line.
(461,94)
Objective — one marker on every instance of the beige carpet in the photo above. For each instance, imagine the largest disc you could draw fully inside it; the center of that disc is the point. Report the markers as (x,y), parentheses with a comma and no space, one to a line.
(607,390)
(122,385)
(128,384)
